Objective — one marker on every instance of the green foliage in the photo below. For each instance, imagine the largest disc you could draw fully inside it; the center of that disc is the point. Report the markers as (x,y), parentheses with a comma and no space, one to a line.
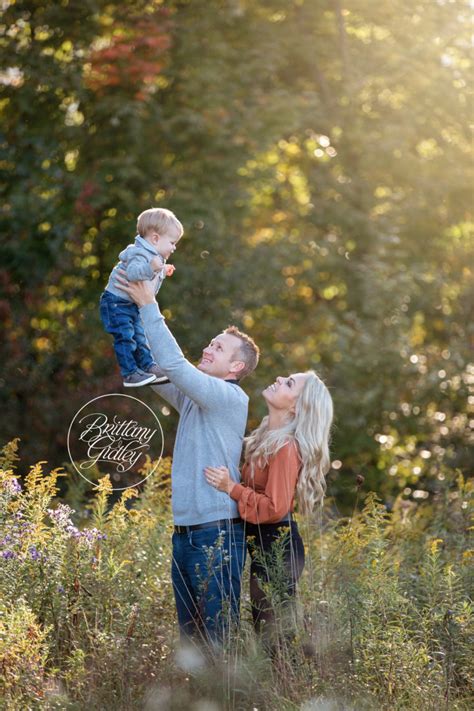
(318,157)
(384,618)
(401,596)
(23,653)
(9,454)
(88,599)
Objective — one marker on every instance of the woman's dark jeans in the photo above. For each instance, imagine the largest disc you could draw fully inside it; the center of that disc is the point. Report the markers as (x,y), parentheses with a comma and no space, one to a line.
(277,561)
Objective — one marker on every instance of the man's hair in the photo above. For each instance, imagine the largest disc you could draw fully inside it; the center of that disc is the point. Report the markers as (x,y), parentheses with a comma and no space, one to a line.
(159,219)
(248,351)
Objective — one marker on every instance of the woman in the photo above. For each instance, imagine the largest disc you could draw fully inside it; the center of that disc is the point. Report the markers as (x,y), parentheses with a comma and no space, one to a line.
(286,456)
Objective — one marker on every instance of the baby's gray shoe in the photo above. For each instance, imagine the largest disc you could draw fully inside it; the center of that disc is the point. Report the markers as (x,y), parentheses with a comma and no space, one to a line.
(160,377)
(137,379)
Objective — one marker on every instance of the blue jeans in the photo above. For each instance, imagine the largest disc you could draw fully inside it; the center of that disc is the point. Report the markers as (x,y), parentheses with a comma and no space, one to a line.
(206,573)
(121,318)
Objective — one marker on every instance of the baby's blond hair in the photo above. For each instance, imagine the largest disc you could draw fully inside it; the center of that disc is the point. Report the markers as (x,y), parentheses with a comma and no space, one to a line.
(160,219)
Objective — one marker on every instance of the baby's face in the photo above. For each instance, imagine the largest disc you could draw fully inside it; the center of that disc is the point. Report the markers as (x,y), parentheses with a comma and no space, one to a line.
(165,243)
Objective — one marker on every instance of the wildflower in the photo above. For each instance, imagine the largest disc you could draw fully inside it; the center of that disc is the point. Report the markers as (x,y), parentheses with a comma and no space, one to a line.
(61,589)
(12,486)
(61,515)
(73,531)
(8,554)
(34,553)
(89,535)
(434,545)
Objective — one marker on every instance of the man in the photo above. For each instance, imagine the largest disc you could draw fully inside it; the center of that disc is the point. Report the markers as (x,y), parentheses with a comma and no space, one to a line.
(208,540)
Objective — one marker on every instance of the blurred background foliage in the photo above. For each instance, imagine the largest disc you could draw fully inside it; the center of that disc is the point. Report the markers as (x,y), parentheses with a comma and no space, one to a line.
(318,155)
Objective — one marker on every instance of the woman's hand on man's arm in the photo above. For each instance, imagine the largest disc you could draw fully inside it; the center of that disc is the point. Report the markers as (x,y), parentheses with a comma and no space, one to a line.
(219,478)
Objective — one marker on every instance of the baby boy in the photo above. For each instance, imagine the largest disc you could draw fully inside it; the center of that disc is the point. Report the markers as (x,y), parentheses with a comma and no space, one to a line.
(159,231)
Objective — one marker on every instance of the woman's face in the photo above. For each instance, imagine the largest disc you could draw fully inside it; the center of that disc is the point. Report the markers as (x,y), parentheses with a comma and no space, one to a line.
(284,392)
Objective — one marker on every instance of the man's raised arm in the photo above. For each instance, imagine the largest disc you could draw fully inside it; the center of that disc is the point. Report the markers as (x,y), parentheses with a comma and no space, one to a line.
(205,390)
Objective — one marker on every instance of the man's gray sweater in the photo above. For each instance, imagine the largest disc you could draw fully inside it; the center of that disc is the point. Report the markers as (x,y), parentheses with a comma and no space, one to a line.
(213,415)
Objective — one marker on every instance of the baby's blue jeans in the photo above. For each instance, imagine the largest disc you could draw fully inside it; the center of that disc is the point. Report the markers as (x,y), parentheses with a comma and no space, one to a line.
(121,318)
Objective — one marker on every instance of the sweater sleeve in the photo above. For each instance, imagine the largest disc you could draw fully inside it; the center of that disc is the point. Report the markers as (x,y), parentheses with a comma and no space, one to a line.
(170,393)
(139,268)
(205,390)
(272,504)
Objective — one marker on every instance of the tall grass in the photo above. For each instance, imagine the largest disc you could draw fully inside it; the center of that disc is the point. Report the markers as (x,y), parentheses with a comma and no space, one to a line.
(87,615)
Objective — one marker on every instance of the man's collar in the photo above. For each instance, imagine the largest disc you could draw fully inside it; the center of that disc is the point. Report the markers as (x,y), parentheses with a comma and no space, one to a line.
(233,382)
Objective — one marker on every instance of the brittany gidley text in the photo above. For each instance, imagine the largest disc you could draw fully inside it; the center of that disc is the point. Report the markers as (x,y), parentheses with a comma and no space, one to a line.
(119,441)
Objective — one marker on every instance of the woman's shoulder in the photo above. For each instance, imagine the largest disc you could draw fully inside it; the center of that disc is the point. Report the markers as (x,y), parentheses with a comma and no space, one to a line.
(289,450)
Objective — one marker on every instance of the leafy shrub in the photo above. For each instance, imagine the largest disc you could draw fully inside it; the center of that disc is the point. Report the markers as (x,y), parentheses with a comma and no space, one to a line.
(87,614)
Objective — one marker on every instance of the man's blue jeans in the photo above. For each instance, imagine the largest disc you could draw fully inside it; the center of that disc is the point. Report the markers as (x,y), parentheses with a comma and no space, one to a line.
(121,318)
(207,573)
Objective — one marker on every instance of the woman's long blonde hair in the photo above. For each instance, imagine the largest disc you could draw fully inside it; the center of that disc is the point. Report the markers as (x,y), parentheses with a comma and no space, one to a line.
(310,429)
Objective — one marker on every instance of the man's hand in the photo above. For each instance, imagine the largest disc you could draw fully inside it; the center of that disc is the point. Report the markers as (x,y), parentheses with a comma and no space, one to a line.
(219,478)
(141,292)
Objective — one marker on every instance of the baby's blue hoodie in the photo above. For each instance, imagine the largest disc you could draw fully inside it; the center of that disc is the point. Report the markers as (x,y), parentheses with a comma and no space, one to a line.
(135,260)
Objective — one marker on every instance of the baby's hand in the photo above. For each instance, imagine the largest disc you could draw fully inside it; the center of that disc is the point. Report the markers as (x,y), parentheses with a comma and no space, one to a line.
(169,269)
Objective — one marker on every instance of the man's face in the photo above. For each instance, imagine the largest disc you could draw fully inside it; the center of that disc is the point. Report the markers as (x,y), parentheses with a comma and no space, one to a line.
(221,356)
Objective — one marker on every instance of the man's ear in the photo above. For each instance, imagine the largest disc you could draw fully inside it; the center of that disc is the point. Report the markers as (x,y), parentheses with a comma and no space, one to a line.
(237,366)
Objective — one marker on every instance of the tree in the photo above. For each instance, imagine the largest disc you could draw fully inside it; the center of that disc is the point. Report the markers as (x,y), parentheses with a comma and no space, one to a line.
(317,155)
